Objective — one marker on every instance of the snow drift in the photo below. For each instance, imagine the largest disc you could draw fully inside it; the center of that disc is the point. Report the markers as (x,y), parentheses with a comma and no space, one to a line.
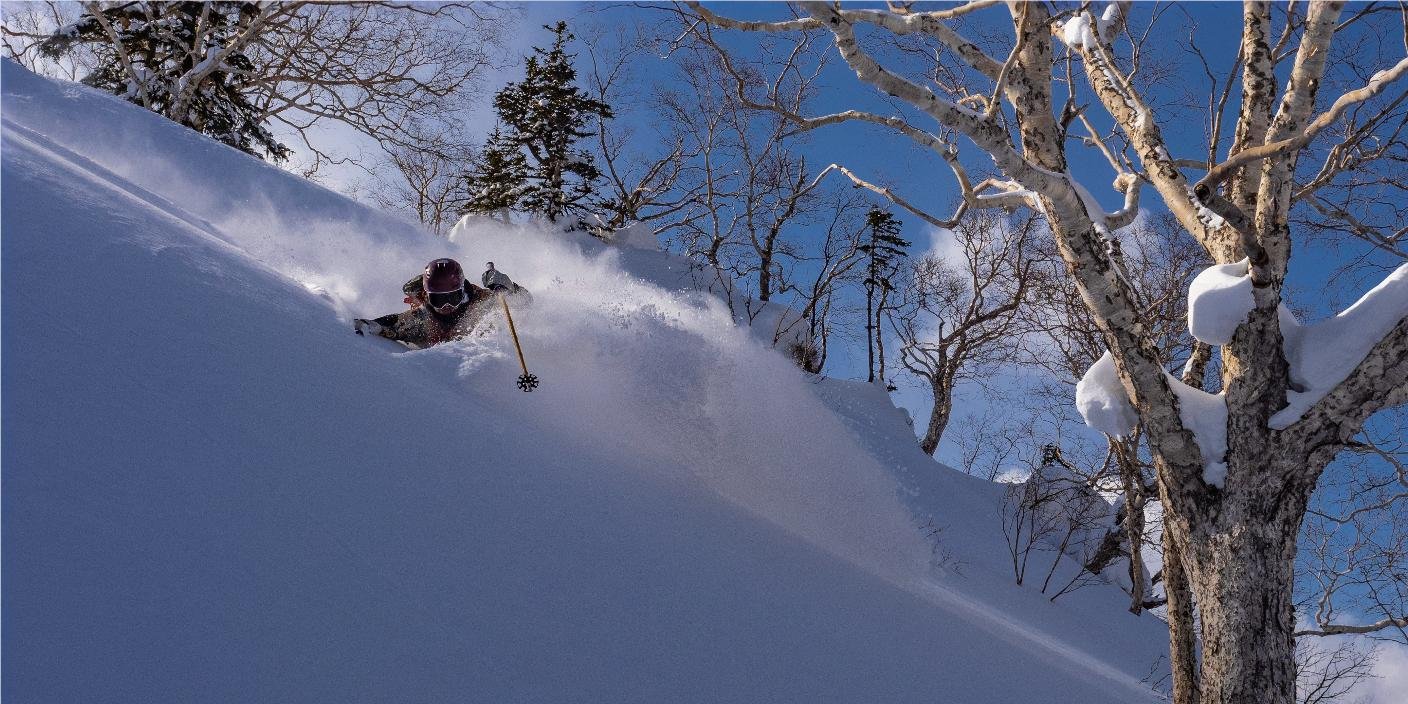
(214,492)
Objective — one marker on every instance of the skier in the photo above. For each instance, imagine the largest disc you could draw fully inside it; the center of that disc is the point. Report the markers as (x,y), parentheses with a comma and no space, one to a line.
(445,307)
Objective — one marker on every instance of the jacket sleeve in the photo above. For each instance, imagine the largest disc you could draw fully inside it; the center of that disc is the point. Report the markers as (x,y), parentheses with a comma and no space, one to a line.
(396,326)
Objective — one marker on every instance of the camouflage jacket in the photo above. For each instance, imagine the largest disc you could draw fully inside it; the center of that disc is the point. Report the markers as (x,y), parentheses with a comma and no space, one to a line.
(421,327)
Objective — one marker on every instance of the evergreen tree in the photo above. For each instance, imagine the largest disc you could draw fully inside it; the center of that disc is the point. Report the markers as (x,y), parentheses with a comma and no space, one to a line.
(882,250)
(165,64)
(497,179)
(545,115)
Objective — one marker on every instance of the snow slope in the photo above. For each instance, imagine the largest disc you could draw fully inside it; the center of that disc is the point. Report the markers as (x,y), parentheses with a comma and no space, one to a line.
(212,491)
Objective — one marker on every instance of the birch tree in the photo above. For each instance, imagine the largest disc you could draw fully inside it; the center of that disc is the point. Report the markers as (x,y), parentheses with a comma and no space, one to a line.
(1236,469)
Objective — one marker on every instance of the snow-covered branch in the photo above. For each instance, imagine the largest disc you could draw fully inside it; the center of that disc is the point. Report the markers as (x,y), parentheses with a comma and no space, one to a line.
(1130,184)
(1347,368)
(1379,381)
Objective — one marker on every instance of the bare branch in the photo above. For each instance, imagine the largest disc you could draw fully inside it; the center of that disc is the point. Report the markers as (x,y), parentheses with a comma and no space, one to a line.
(1336,629)
(888,194)
(1376,85)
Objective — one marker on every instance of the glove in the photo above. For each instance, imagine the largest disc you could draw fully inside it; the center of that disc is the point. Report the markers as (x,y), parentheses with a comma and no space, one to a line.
(496,280)
(362,326)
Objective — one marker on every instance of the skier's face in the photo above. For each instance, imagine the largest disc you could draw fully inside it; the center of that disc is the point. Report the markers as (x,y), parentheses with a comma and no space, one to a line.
(447,303)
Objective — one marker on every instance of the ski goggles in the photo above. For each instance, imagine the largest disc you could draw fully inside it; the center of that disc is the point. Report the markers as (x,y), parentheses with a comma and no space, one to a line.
(447,301)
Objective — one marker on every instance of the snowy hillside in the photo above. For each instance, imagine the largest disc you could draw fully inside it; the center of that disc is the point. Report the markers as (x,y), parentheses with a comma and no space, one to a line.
(213,491)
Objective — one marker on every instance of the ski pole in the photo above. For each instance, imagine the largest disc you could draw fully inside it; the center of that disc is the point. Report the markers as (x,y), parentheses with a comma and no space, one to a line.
(527,382)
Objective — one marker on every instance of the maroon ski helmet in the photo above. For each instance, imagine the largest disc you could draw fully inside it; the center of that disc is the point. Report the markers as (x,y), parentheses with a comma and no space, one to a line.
(443,276)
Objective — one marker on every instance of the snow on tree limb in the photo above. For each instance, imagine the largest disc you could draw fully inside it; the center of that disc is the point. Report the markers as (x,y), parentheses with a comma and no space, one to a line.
(1104,405)
(1102,402)
(1352,364)
(1130,184)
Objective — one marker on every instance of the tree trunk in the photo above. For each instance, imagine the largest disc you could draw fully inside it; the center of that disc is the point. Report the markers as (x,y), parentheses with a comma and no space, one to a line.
(880,334)
(1135,500)
(938,418)
(1134,536)
(1242,575)
(1182,634)
(870,335)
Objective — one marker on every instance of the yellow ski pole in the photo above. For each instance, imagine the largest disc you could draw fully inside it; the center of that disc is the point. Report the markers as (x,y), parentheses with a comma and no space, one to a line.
(527,382)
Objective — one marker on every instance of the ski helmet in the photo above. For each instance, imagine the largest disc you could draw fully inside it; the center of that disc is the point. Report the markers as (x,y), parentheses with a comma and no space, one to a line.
(444,285)
(443,276)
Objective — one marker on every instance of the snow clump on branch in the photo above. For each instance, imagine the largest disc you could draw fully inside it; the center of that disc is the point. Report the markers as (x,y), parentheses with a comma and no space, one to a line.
(1103,404)
(1205,415)
(1078,32)
(1219,300)
(1101,399)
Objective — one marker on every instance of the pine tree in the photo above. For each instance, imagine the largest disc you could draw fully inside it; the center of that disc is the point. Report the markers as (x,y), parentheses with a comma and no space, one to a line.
(882,250)
(164,47)
(497,179)
(546,114)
